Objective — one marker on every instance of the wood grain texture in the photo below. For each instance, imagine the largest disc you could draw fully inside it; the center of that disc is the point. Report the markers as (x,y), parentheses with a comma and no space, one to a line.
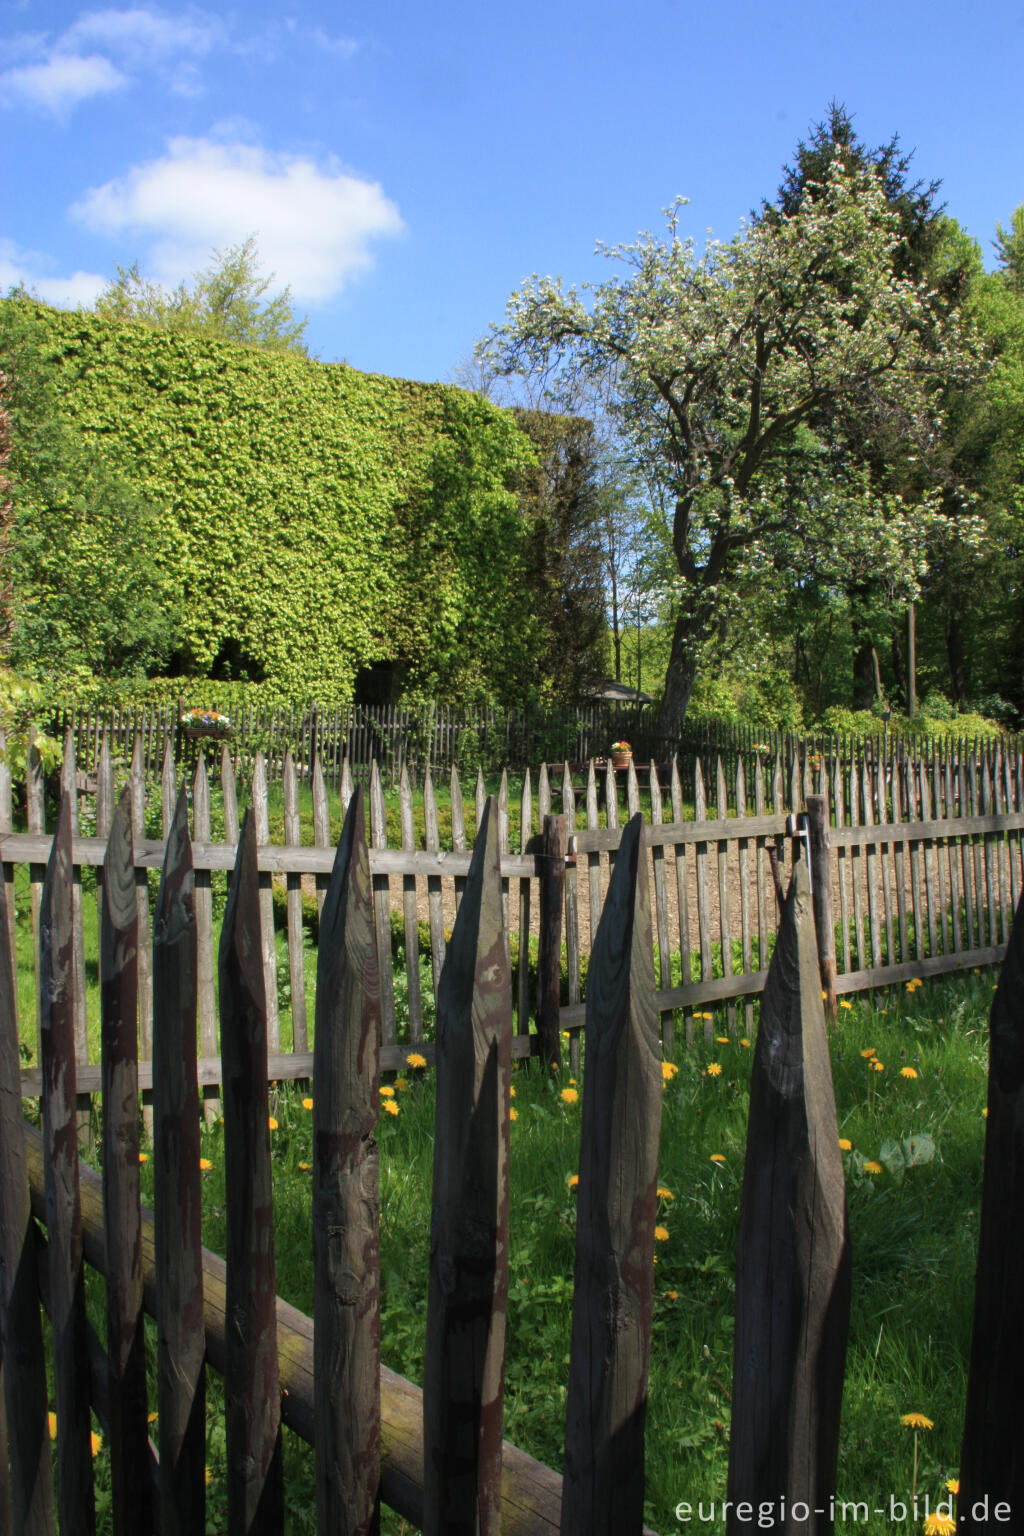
(206,991)
(821,875)
(252,1396)
(382,910)
(410,916)
(128,1432)
(661,912)
(30,1488)
(293,882)
(992,1461)
(603,1484)
(262,820)
(682,895)
(549,957)
(346,1195)
(321,825)
(467,1295)
(523,959)
(435,908)
(181,1387)
(793,1254)
(75,1510)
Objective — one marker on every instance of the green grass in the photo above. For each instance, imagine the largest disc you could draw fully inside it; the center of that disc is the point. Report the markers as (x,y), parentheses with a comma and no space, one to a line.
(913,1232)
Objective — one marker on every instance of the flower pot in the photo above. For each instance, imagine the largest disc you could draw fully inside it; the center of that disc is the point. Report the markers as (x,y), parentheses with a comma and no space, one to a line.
(621,759)
(205,732)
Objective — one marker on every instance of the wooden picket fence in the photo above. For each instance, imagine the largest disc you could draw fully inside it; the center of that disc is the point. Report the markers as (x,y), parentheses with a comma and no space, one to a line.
(435,737)
(437,1457)
(916,868)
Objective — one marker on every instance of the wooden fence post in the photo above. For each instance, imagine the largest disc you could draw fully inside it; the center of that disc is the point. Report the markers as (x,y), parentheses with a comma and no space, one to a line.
(75,1508)
(551,862)
(603,1484)
(821,883)
(252,1398)
(464,1360)
(346,1194)
(181,1387)
(28,1438)
(992,1463)
(793,1250)
(130,1463)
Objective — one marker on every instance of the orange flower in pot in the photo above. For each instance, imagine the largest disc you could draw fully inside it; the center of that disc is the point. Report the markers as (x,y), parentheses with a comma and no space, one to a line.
(622,754)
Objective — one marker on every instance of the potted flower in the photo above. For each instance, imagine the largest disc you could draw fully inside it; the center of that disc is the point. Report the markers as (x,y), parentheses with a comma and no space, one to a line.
(622,754)
(198,722)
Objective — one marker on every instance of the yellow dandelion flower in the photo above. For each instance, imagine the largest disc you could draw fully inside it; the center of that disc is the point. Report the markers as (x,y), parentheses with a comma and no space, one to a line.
(143,1157)
(572,1082)
(914,1420)
(401,1084)
(512,1114)
(672,1295)
(415,1060)
(390,1107)
(745,1042)
(95,1442)
(272,1122)
(661,1234)
(874,1167)
(721,1039)
(665,1194)
(939,1525)
(512,1091)
(305,1167)
(714,1069)
(573,1180)
(51,1419)
(984,1114)
(569,1095)
(205,1164)
(845,1145)
(845,1003)
(668,1071)
(868,1052)
(387,1092)
(707,1016)
(307,1103)
(876,1065)
(908,1071)
(717,1157)
(565,1034)
(824,997)
(152,1418)
(953,1484)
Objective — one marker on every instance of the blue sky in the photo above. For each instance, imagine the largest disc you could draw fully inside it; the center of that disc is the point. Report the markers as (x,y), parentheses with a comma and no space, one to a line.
(405,166)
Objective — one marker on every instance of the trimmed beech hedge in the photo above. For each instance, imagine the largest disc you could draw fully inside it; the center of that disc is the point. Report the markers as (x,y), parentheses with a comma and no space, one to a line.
(313,519)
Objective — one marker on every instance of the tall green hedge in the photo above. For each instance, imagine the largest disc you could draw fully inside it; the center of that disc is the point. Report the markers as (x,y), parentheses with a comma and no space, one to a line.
(312,519)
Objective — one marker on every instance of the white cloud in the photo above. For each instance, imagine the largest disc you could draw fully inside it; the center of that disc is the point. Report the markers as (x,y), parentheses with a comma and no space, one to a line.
(80,62)
(61,82)
(28,268)
(313,225)
(141,35)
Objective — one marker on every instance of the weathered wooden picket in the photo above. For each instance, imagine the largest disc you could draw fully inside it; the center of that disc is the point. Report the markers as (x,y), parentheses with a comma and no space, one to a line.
(438,1457)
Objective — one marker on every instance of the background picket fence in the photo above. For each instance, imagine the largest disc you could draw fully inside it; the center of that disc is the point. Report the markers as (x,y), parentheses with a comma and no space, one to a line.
(436,737)
(917,871)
